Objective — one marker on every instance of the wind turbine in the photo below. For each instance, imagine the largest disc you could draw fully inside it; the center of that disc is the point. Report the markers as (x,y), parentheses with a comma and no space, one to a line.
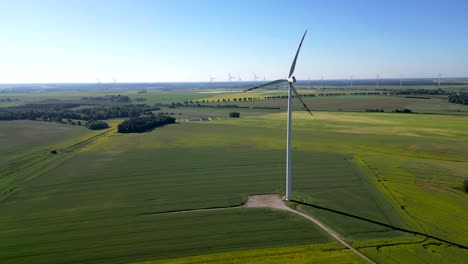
(230,80)
(290,80)
(321,81)
(377,77)
(440,75)
(351,81)
(255,77)
(239,79)
(98,83)
(212,78)
(114,80)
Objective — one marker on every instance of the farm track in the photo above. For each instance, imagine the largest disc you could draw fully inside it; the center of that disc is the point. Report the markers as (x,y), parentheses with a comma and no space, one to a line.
(88,140)
(275,202)
(32,164)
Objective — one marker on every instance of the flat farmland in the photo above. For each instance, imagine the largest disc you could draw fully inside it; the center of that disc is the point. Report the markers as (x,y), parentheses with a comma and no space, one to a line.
(21,136)
(151,96)
(114,199)
(123,213)
(437,104)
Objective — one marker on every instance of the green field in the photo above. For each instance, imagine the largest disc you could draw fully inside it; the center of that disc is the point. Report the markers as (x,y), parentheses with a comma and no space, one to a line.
(315,253)
(112,197)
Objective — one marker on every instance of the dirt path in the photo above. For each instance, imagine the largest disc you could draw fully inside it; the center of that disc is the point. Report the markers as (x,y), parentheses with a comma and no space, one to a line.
(275,201)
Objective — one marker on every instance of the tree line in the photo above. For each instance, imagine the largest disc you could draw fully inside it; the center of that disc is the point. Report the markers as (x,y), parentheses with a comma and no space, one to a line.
(144,123)
(461,98)
(115,98)
(58,113)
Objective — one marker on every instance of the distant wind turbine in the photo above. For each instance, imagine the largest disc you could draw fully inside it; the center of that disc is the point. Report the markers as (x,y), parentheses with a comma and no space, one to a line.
(440,75)
(321,81)
(230,80)
(377,77)
(255,78)
(351,81)
(239,79)
(401,81)
(212,78)
(98,83)
(290,80)
(114,81)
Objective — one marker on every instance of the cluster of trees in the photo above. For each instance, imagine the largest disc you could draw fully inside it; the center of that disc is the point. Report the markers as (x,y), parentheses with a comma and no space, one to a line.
(406,110)
(109,112)
(375,110)
(421,91)
(144,123)
(234,114)
(458,98)
(56,114)
(97,125)
(8,100)
(115,98)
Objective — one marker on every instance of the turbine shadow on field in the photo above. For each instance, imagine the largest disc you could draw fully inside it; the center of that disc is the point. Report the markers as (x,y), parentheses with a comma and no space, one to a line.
(379,223)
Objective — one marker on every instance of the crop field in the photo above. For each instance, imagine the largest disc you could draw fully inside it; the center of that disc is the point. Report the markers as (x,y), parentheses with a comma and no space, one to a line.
(322,253)
(436,104)
(117,198)
(20,136)
(151,96)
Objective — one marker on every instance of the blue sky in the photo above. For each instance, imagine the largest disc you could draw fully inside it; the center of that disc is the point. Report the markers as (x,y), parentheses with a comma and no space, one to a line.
(145,41)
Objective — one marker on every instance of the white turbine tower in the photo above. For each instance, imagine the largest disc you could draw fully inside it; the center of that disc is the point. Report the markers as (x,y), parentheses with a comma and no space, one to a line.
(98,83)
(114,80)
(377,77)
(321,81)
(440,75)
(211,79)
(230,80)
(255,78)
(290,80)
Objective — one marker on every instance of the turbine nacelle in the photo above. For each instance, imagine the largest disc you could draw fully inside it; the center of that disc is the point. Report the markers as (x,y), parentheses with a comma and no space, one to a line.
(291,80)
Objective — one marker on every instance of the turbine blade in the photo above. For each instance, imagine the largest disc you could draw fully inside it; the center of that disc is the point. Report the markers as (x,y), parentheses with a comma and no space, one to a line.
(266,84)
(293,66)
(300,99)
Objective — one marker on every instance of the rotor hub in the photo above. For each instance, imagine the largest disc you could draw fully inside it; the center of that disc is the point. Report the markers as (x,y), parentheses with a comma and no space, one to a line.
(292,79)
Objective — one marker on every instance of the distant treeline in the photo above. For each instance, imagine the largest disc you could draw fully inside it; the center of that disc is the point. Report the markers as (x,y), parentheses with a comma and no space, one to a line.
(57,112)
(406,111)
(458,98)
(115,98)
(420,92)
(144,123)
(8,100)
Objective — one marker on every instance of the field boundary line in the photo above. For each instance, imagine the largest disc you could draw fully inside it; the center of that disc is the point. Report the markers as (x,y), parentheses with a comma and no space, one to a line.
(193,210)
